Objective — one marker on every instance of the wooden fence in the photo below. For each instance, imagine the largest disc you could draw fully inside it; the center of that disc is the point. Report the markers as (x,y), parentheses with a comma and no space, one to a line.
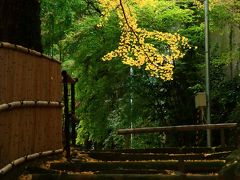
(30,103)
(128,132)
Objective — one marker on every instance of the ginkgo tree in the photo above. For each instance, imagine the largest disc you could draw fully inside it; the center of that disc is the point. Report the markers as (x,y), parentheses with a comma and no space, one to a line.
(105,88)
(140,47)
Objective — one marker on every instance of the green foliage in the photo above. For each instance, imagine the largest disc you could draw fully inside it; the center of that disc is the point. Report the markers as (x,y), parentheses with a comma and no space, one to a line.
(226,12)
(101,84)
(224,89)
(105,90)
(109,98)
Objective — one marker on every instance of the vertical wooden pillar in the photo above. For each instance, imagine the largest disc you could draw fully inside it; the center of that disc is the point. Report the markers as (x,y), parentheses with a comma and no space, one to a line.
(127,141)
(223,143)
(66,115)
(237,134)
(73,119)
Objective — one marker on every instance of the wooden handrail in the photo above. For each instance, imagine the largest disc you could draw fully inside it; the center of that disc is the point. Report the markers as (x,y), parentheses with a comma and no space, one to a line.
(177,128)
(68,78)
(127,132)
(68,117)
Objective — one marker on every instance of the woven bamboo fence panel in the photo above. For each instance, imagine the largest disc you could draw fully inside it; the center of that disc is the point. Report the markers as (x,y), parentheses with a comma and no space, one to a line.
(26,75)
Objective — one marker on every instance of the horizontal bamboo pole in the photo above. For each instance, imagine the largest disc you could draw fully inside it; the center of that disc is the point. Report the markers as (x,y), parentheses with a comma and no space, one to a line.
(21,160)
(26,50)
(16,104)
(176,128)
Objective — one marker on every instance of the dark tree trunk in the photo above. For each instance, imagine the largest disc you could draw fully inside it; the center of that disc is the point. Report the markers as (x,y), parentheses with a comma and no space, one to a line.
(20,23)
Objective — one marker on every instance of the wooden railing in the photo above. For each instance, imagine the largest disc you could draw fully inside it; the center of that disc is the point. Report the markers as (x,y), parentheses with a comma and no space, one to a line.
(70,119)
(127,132)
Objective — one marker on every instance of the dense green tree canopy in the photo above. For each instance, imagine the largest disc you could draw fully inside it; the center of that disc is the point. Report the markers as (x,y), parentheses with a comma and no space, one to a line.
(111,95)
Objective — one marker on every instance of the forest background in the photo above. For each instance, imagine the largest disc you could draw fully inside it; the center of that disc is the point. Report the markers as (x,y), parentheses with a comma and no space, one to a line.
(111,95)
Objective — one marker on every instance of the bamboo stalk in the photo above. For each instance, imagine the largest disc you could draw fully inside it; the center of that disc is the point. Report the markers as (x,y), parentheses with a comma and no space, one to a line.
(21,160)
(177,128)
(46,153)
(32,156)
(17,104)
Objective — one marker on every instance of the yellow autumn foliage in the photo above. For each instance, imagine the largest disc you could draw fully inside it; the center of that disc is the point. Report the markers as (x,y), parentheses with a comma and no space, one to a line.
(135,48)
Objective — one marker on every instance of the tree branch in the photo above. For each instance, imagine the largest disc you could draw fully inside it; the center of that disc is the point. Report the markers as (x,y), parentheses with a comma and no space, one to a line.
(126,20)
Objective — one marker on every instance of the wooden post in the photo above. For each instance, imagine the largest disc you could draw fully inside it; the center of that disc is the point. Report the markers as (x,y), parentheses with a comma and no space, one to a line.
(223,143)
(73,119)
(127,140)
(237,134)
(66,115)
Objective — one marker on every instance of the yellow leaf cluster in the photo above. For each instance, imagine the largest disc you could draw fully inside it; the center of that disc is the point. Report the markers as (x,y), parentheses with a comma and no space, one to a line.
(135,48)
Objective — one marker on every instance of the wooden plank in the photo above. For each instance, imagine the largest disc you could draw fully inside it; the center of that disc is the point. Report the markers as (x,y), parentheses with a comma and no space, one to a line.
(30,124)
(3,62)
(177,128)
(38,73)
(10,74)
(49,127)
(18,91)
(4,139)
(25,113)
(34,128)
(58,128)
(37,130)
(12,135)
(43,130)
(40,78)
(29,83)
(44,80)
(23,130)
(57,82)
(31,114)
(54,75)
(54,88)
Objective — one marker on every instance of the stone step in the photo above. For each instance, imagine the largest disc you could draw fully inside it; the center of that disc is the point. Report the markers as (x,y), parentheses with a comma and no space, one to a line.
(184,166)
(121,177)
(169,150)
(117,156)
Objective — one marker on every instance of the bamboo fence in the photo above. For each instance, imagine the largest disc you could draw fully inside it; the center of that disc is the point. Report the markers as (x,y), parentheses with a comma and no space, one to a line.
(30,103)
